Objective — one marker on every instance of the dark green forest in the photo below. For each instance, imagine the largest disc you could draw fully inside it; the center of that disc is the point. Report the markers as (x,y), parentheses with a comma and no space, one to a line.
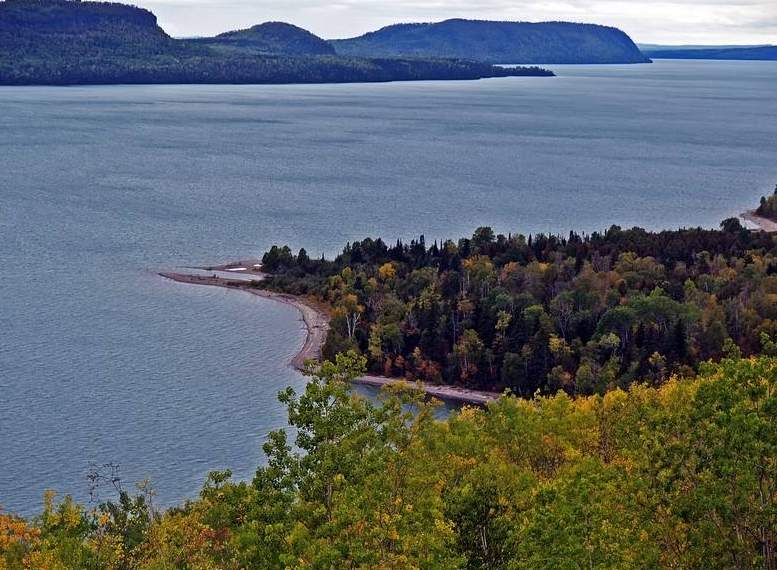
(579,313)
(207,69)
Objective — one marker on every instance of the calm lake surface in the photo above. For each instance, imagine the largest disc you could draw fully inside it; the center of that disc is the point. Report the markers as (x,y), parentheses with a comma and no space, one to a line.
(100,360)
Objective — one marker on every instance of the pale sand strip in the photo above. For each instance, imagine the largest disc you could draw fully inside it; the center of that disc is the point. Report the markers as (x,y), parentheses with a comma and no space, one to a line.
(764,224)
(317,324)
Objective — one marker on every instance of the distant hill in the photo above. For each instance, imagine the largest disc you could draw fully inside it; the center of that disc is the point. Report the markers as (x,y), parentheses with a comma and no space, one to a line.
(762,53)
(498,42)
(272,38)
(64,42)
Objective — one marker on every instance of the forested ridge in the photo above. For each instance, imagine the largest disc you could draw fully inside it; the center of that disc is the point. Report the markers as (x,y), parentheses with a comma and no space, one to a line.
(270,38)
(681,477)
(65,42)
(498,42)
(579,314)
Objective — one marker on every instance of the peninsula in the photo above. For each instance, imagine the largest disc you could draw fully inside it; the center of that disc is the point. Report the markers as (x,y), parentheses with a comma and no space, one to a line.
(316,317)
(472,318)
(62,42)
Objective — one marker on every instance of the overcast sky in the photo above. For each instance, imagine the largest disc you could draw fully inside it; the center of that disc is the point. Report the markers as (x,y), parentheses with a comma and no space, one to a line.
(646,21)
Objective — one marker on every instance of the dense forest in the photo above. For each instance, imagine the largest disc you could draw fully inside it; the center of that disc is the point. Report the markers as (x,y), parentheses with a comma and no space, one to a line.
(242,70)
(63,42)
(498,42)
(768,207)
(680,477)
(579,314)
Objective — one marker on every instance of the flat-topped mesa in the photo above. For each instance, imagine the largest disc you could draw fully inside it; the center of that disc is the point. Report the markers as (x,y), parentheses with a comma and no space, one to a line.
(79,29)
(498,42)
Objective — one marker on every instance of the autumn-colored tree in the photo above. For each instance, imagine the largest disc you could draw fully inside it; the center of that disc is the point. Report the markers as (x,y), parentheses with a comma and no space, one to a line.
(350,309)
(467,353)
(675,476)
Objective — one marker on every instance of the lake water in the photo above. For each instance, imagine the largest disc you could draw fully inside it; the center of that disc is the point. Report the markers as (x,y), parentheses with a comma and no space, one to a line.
(100,360)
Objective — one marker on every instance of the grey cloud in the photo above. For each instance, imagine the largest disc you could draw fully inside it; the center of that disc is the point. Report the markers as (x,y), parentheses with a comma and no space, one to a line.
(657,21)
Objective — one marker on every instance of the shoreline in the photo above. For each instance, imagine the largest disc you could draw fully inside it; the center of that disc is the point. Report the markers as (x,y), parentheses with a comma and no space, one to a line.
(316,320)
(763,224)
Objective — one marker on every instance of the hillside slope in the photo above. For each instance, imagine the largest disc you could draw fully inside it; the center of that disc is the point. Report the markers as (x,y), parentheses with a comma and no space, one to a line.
(498,42)
(62,28)
(272,38)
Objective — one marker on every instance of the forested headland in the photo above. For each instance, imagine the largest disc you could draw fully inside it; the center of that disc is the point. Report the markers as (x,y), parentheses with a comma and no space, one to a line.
(64,42)
(681,476)
(498,42)
(581,314)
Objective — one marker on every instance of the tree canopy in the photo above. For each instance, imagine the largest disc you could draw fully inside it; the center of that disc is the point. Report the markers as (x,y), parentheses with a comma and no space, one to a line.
(682,476)
(579,314)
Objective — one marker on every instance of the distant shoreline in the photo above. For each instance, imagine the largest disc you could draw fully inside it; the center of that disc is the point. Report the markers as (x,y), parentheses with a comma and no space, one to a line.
(764,224)
(316,320)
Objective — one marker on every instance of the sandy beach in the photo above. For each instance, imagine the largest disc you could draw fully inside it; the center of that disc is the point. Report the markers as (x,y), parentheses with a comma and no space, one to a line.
(764,224)
(316,321)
